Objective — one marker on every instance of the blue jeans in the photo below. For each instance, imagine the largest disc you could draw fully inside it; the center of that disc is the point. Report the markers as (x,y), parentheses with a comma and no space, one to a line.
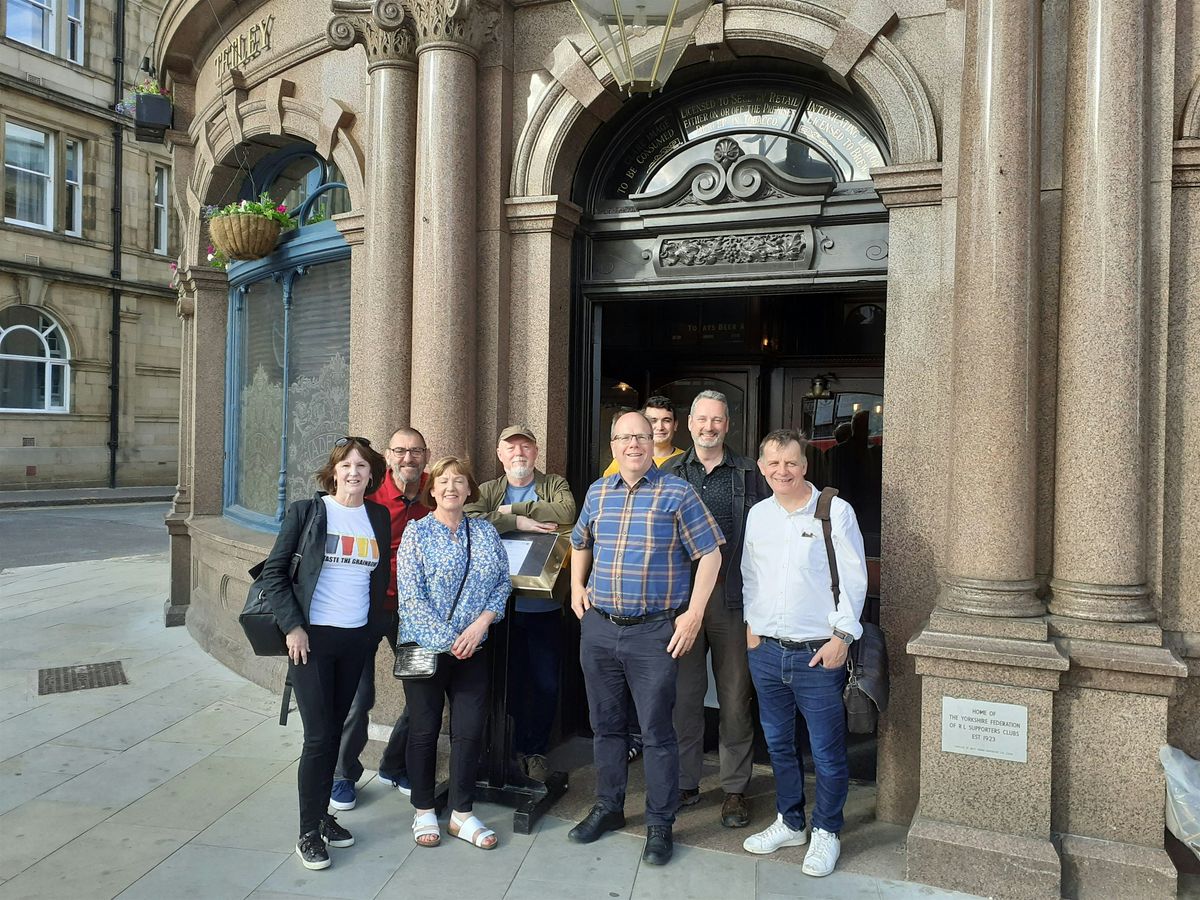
(785,683)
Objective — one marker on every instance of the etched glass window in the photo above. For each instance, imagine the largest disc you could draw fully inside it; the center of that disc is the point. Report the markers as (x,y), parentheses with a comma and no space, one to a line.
(259,397)
(34,362)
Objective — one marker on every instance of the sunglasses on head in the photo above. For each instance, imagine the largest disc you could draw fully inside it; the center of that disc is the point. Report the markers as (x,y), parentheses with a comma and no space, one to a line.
(343,441)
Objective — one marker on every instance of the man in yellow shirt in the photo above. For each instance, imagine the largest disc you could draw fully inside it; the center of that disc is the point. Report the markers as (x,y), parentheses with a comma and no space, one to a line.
(661,414)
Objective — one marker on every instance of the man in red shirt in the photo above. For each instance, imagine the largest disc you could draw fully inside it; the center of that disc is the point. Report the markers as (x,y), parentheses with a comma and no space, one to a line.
(406,456)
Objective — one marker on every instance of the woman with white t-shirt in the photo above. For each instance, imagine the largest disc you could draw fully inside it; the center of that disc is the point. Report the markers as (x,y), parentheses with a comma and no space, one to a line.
(330,614)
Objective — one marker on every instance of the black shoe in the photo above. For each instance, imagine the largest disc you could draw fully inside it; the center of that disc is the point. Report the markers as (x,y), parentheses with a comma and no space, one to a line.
(659,845)
(334,834)
(312,851)
(734,811)
(598,821)
(689,797)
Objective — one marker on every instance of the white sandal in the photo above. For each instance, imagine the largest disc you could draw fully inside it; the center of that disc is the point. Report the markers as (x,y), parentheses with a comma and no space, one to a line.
(473,832)
(424,825)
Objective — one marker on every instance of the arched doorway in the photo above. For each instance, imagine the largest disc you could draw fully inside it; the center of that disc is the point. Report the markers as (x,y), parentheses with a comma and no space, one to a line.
(731,239)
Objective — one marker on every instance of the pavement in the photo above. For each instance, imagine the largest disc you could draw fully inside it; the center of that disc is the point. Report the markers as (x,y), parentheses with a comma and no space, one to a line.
(75,496)
(181,783)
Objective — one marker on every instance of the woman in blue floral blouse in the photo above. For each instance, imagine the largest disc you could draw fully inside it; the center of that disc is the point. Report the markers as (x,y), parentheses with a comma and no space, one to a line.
(438,554)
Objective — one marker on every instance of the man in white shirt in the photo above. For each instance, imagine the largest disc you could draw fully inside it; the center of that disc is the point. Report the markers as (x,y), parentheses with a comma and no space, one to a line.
(798,640)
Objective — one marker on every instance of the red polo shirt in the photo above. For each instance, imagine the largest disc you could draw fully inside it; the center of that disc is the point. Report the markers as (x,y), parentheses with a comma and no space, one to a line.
(403,511)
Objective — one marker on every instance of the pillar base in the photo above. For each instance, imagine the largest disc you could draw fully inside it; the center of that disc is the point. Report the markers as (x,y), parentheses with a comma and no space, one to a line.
(1093,868)
(985,597)
(976,861)
(1101,602)
(174,615)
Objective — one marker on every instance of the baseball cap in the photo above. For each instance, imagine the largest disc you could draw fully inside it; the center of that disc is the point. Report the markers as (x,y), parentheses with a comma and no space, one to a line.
(513,431)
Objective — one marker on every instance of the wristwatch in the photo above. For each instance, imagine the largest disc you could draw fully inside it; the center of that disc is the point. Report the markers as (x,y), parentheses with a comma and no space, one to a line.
(843,636)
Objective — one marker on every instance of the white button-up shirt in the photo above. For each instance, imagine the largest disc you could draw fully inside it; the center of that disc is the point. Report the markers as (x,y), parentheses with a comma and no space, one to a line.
(785,571)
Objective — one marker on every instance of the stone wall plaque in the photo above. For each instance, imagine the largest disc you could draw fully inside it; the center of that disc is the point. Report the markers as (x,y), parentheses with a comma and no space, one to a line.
(983,728)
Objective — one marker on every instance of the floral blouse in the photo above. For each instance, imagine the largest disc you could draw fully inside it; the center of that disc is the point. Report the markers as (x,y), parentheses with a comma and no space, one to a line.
(429,567)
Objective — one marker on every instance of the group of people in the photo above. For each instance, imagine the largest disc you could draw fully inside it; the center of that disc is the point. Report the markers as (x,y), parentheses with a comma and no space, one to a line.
(674,555)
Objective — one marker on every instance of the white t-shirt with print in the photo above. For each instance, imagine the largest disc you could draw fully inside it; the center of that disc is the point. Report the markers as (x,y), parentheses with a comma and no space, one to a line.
(342,597)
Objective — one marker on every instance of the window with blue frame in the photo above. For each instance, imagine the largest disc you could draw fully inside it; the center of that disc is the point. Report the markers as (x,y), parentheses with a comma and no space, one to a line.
(288,378)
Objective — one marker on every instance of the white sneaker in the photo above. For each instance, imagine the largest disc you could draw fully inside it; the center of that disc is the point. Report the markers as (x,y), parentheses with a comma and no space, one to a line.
(822,853)
(776,836)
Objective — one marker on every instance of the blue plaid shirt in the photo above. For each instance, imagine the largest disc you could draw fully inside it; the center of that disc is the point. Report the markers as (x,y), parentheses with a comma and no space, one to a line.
(643,540)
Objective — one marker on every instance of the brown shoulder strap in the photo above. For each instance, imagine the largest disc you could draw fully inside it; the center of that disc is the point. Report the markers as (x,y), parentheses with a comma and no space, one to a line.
(824,503)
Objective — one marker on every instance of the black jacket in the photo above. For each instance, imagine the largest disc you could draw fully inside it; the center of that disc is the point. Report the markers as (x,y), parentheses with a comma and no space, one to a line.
(290,601)
(748,488)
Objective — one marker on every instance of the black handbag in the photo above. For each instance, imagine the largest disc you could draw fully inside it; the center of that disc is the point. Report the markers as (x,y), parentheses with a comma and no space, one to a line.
(257,618)
(865,695)
(417,663)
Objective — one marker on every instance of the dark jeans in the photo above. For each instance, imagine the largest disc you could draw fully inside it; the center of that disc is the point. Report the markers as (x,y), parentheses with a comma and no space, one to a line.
(724,633)
(354,734)
(634,657)
(324,688)
(465,682)
(535,645)
(785,683)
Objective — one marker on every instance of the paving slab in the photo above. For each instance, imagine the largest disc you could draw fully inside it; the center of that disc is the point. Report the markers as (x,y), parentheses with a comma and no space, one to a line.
(35,829)
(98,864)
(199,872)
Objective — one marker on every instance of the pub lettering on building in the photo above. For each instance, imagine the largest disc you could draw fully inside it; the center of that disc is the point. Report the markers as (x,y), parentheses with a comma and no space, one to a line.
(250,44)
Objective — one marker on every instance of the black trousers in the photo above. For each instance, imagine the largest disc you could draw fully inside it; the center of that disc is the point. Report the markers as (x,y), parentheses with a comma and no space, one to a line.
(616,660)
(324,688)
(465,682)
(354,733)
(535,648)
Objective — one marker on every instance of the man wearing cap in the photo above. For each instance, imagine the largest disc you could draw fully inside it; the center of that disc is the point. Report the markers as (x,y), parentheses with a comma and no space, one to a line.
(525,499)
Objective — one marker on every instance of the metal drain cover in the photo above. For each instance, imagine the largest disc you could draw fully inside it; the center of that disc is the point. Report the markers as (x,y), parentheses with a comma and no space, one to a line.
(80,678)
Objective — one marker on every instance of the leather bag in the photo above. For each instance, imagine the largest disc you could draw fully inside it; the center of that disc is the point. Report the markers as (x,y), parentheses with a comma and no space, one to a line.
(417,663)
(257,618)
(866,692)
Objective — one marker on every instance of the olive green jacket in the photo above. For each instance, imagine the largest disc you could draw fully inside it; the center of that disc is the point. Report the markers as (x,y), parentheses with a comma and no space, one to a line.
(555,502)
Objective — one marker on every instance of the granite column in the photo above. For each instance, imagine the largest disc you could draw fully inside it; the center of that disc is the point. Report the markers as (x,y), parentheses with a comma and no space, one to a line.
(990,552)
(988,671)
(381,297)
(444,364)
(1108,819)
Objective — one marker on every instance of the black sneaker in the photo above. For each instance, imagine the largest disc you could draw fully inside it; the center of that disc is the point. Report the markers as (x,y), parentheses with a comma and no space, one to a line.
(334,834)
(312,851)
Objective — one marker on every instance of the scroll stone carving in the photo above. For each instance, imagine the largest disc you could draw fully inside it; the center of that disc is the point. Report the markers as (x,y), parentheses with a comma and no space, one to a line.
(736,249)
(386,33)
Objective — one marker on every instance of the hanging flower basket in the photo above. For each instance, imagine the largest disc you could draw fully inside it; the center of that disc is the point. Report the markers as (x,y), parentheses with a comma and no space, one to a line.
(245,236)
(248,229)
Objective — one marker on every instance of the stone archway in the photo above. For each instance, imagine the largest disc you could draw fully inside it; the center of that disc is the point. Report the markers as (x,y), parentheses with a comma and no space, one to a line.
(559,127)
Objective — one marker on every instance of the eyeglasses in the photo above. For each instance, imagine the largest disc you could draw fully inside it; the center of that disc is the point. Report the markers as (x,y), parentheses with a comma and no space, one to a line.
(408,451)
(343,441)
(630,438)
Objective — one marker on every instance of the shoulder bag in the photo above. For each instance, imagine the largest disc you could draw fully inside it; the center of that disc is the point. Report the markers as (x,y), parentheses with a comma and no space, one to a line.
(417,663)
(257,618)
(866,693)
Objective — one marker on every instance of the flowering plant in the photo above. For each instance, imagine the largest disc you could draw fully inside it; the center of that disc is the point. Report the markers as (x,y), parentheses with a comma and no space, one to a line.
(216,258)
(264,206)
(147,86)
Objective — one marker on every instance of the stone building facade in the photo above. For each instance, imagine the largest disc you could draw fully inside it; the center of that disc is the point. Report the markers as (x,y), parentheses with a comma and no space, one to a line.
(1015,183)
(59,296)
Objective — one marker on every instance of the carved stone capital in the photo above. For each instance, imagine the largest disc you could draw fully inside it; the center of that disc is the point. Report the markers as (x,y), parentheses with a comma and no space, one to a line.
(464,24)
(385,31)
(194,280)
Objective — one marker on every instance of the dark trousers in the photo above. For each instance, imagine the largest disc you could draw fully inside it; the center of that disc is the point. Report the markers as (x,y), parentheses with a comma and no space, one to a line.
(724,633)
(354,733)
(465,682)
(324,688)
(634,657)
(535,645)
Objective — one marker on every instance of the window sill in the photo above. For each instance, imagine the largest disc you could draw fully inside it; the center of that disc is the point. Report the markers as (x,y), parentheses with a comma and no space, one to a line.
(29,226)
(26,413)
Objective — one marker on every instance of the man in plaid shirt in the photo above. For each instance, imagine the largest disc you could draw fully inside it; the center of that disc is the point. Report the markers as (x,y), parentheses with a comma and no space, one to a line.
(637,536)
